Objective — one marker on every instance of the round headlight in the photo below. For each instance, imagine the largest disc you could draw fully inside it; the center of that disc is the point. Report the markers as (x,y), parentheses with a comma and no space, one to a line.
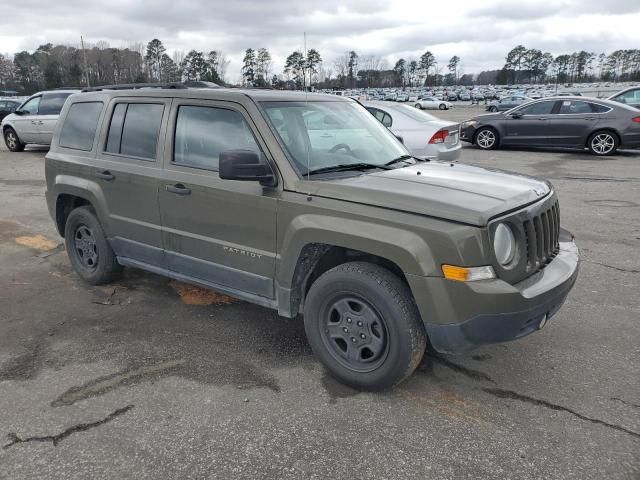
(504,244)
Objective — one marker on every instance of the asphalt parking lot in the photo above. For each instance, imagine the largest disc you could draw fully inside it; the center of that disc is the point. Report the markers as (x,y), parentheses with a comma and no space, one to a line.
(148,378)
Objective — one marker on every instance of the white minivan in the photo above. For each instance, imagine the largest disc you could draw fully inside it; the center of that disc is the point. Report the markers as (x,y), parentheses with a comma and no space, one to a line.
(34,121)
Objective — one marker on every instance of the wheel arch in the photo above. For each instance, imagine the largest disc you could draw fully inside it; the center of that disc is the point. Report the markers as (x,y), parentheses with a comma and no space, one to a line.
(71,193)
(312,250)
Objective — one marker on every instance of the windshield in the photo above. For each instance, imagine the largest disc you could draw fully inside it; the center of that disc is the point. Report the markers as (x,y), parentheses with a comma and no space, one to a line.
(318,135)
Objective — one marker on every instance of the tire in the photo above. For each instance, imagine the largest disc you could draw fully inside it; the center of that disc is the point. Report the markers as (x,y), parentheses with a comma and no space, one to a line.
(364,326)
(493,109)
(89,252)
(442,106)
(603,143)
(418,106)
(486,138)
(12,141)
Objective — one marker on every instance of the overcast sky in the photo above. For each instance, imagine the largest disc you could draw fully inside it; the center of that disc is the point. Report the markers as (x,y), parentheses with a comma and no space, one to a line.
(479,31)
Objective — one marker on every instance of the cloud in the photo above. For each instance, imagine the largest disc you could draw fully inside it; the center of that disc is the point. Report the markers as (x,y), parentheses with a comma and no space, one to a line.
(480,33)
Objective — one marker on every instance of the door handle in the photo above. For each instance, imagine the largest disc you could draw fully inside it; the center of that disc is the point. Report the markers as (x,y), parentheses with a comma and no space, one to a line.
(105,175)
(33,122)
(178,189)
(544,118)
(40,122)
(590,118)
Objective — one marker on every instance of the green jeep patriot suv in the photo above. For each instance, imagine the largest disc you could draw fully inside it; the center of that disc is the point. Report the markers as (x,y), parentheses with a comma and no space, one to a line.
(306,204)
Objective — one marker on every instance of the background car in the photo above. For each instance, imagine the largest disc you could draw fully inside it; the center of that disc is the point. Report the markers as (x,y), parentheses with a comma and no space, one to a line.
(423,134)
(507,103)
(7,107)
(432,103)
(464,96)
(33,122)
(629,96)
(602,126)
(402,97)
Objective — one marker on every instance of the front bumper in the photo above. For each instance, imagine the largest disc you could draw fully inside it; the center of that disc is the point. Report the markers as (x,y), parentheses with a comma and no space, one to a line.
(467,134)
(492,310)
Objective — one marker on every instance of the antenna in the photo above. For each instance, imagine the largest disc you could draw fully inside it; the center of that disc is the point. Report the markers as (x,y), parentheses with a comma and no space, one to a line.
(306,102)
(84,55)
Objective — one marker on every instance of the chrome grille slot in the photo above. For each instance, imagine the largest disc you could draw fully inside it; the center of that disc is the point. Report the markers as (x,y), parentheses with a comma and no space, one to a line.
(542,237)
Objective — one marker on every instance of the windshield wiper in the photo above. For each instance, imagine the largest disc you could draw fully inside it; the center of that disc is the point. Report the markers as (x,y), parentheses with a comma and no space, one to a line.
(401,158)
(348,166)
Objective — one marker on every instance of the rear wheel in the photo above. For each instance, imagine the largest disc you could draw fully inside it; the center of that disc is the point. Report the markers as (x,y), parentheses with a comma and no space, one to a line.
(89,252)
(418,106)
(493,109)
(12,141)
(487,138)
(442,106)
(363,325)
(603,143)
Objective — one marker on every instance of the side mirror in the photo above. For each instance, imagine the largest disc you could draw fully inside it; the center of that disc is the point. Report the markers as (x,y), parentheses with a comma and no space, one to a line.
(246,165)
(19,112)
(399,138)
(516,115)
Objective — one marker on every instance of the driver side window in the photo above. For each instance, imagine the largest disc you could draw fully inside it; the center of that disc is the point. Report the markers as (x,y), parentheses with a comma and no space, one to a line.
(31,107)
(539,108)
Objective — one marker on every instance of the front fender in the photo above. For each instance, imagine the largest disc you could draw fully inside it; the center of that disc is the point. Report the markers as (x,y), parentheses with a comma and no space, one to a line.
(404,248)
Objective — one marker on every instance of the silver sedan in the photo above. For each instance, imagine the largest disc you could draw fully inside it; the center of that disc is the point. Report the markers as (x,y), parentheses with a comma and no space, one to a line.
(424,135)
(432,103)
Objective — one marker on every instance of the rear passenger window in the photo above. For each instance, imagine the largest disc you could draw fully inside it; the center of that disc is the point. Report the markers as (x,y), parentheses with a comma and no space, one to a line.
(597,108)
(80,126)
(574,106)
(134,129)
(203,132)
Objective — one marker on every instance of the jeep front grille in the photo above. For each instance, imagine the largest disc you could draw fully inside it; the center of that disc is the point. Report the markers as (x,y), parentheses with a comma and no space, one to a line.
(541,236)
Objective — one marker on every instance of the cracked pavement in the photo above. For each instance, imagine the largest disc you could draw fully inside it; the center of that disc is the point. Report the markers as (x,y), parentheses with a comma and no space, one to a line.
(144,379)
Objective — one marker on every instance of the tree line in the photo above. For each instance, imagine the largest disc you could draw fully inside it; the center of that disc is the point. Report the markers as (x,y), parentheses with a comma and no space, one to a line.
(53,66)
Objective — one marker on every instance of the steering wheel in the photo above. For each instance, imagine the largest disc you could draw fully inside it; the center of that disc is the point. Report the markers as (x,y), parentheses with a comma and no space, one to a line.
(341,146)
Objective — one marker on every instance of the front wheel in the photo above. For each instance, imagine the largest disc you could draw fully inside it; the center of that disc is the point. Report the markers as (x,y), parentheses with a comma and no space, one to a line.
(12,141)
(418,106)
(363,325)
(442,106)
(602,143)
(487,138)
(493,109)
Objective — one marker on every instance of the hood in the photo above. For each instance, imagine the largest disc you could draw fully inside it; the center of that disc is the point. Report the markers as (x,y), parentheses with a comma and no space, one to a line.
(450,191)
(489,116)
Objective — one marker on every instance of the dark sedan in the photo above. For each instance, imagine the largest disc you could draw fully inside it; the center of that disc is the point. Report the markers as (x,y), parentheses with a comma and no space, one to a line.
(7,107)
(602,126)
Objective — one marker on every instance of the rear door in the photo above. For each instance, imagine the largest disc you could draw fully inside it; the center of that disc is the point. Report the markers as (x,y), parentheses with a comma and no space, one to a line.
(572,122)
(221,232)
(26,122)
(48,113)
(532,128)
(128,171)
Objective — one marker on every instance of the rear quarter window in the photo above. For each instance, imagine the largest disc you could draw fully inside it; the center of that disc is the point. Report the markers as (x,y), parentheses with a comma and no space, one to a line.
(80,125)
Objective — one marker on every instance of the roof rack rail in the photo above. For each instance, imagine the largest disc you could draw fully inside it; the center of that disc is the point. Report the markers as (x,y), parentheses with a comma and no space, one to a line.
(135,86)
(68,88)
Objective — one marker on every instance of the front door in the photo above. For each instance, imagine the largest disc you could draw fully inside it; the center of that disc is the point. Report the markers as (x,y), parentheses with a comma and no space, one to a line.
(127,172)
(26,121)
(220,232)
(528,125)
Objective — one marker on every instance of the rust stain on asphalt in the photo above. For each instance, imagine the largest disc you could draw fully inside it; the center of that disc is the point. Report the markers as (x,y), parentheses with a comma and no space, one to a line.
(192,295)
(445,403)
(37,242)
